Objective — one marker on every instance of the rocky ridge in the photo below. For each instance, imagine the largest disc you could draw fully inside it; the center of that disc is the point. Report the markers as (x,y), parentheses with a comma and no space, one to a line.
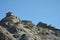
(13,28)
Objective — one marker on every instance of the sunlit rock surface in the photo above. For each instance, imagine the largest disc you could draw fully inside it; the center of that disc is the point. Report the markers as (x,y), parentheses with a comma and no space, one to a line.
(13,28)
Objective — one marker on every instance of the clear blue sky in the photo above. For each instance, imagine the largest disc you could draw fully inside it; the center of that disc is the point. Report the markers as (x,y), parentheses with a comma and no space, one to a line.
(47,11)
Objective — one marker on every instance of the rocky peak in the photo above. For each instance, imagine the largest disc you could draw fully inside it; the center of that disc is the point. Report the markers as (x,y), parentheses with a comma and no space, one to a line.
(12,28)
(9,14)
(41,24)
(27,23)
(10,18)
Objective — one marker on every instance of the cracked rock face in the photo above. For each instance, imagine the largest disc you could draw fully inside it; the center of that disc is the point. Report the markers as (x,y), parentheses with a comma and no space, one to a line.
(12,28)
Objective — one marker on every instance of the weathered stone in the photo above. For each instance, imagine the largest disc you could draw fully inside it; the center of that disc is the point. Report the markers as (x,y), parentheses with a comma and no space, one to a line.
(10,19)
(5,35)
(9,14)
(12,28)
(24,37)
(28,24)
(40,24)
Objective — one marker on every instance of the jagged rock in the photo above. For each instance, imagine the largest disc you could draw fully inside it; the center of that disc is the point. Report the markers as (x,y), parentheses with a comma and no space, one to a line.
(9,14)
(5,35)
(9,19)
(24,37)
(40,24)
(12,28)
(28,24)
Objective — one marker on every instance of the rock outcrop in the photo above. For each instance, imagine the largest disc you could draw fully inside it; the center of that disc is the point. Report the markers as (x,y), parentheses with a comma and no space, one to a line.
(13,28)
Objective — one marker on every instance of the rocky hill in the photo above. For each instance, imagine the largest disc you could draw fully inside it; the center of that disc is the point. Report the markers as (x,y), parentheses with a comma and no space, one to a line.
(13,28)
